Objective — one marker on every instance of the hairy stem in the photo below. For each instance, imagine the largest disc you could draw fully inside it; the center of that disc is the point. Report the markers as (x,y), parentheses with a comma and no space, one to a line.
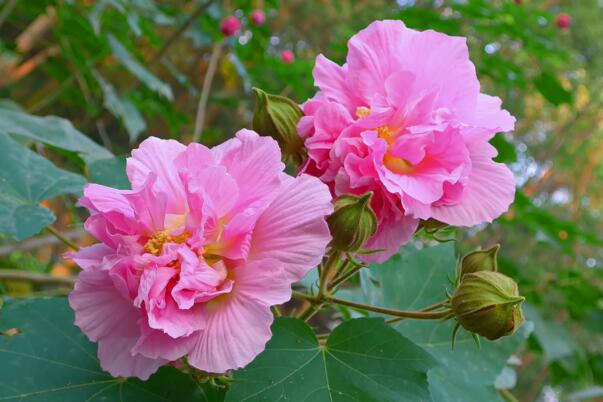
(417,315)
(62,238)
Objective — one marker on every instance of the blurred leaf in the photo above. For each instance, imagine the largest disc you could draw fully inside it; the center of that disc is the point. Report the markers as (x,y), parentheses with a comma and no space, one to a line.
(550,87)
(26,179)
(141,72)
(110,172)
(555,341)
(506,150)
(417,279)
(53,131)
(51,360)
(362,360)
(122,108)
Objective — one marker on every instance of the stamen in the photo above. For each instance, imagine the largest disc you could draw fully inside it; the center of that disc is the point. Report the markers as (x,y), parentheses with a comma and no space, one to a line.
(362,111)
(155,244)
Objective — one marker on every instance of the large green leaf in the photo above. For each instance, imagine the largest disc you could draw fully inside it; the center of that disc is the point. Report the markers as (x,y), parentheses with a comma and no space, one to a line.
(417,279)
(140,71)
(362,360)
(52,131)
(51,360)
(110,172)
(26,179)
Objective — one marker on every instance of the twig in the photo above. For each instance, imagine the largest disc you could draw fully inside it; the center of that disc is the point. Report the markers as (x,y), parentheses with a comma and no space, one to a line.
(172,39)
(37,242)
(62,238)
(207,81)
(19,275)
(6,10)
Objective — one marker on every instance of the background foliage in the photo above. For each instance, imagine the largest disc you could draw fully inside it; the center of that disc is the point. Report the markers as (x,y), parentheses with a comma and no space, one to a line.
(117,71)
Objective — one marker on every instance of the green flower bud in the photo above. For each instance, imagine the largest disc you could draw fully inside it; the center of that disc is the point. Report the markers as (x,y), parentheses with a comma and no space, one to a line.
(488,303)
(352,223)
(479,260)
(431,225)
(277,117)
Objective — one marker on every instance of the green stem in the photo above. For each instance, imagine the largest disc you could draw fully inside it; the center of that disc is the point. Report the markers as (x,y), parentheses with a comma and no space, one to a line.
(430,308)
(344,277)
(328,268)
(417,315)
(62,238)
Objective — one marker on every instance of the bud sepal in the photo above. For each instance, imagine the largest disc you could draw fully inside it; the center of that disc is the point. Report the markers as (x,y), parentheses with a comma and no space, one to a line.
(352,223)
(488,303)
(277,117)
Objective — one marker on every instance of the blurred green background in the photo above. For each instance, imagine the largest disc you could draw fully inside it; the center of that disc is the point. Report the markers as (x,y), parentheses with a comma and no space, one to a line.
(121,70)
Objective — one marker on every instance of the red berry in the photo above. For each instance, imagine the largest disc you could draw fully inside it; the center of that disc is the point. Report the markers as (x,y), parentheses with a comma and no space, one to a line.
(230,25)
(287,56)
(563,21)
(257,17)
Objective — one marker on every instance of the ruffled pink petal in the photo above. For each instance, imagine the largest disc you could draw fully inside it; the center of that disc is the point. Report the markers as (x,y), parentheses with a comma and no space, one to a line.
(155,344)
(293,229)
(95,257)
(330,78)
(158,156)
(105,316)
(489,192)
(198,282)
(116,357)
(220,190)
(263,280)
(255,164)
(237,330)
(100,310)
(373,54)
(391,235)
(238,326)
(162,310)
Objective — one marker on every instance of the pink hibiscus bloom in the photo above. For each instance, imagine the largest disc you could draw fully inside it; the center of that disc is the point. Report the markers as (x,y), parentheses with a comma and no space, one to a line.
(192,258)
(404,118)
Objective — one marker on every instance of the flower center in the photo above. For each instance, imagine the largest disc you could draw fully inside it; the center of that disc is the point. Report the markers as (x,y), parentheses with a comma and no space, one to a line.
(393,163)
(155,244)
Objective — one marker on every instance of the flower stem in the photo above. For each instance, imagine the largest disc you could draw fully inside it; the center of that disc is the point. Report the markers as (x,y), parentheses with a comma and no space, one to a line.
(328,270)
(417,315)
(430,308)
(345,276)
(62,238)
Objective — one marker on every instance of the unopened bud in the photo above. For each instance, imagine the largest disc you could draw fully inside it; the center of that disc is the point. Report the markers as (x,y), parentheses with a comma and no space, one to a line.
(479,260)
(431,225)
(277,116)
(488,303)
(352,223)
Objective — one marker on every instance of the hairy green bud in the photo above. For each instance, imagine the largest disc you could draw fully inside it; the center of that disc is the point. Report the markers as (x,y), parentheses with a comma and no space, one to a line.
(488,303)
(352,223)
(479,260)
(277,117)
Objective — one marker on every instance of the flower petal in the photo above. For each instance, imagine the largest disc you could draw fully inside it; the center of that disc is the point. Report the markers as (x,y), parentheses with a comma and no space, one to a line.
(489,192)
(293,229)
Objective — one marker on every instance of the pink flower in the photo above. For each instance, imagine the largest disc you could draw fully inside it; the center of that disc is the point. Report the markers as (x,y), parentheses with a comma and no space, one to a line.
(287,56)
(257,17)
(404,118)
(563,21)
(192,258)
(230,25)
